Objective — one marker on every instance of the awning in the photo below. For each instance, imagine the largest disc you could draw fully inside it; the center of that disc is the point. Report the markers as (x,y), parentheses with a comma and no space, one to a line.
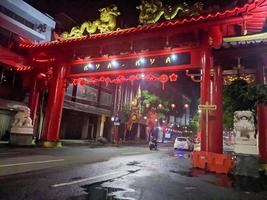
(12,59)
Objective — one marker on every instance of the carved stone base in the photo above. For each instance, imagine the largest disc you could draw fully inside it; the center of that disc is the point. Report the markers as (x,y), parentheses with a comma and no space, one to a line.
(21,136)
(246,149)
(22,130)
(245,141)
(245,146)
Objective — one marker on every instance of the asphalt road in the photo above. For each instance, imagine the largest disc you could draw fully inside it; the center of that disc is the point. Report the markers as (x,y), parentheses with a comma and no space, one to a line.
(133,173)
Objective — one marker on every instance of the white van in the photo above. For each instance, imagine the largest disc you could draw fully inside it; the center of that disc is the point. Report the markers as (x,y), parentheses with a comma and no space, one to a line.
(183,143)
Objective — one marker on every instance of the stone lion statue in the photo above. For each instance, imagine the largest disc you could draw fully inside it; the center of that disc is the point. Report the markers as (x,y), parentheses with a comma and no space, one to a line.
(244,124)
(22,118)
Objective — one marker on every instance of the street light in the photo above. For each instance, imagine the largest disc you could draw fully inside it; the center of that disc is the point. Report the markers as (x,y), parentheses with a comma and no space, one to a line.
(173,112)
(185,107)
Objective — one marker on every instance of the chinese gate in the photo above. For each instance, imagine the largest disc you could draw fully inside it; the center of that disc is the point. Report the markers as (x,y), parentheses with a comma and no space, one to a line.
(171,46)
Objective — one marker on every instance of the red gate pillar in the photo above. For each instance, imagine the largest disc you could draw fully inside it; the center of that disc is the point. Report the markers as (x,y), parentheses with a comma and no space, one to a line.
(34,99)
(205,86)
(262,128)
(262,121)
(54,108)
(216,116)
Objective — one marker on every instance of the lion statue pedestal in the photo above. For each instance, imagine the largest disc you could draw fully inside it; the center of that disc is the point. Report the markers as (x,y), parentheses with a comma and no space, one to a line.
(22,128)
(244,129)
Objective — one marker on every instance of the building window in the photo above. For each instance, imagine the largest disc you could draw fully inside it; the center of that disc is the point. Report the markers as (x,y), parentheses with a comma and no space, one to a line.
(105,99)
(9,77)
(87,93)
(16,17)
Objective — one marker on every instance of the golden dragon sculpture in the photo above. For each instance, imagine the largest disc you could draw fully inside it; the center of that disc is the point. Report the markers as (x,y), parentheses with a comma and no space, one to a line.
(106,23)
(151,12)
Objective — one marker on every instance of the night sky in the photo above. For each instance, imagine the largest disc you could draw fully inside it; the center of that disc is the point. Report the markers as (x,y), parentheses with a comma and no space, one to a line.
(82,10)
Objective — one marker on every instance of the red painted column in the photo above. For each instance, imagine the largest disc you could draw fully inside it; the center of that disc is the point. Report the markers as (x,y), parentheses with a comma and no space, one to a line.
(34,99)
(205,86)
(216,116)
(262,118)
(55,104)
(262,130)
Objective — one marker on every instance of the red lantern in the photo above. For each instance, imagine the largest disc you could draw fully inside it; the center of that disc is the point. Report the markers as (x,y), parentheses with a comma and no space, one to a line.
(116,81)
(151,77)
(163,79)
(75,82)
(94,81)
(82,82)
(102,79)
(107,81)
(122,79)
(173,77)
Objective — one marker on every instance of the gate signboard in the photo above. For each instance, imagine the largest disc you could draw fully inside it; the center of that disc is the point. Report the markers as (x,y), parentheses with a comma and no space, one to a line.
(108,65)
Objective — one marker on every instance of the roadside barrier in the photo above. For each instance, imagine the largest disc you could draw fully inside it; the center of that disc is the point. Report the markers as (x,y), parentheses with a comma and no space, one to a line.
(212,162)
(200,159)
(220,163)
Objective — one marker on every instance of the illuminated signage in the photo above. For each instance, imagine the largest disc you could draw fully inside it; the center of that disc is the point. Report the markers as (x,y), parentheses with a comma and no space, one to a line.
(139,63)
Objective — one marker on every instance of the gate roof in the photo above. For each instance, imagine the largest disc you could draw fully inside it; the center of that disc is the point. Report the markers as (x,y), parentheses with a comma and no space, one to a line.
(252,14)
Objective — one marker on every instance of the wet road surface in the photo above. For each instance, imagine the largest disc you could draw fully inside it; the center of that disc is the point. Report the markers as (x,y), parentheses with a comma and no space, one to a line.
(139,174)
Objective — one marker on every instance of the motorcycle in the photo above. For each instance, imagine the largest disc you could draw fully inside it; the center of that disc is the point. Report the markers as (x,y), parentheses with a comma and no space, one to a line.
(153,144)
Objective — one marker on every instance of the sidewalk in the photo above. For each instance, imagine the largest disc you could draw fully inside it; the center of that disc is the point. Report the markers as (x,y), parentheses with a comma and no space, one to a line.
(94,144)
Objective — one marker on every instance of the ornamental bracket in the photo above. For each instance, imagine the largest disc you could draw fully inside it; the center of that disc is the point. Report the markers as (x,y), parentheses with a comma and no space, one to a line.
(194,77)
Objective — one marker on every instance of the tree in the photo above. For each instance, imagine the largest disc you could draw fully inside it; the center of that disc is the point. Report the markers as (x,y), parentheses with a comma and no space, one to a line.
(154,101)
(194,123)
(241,96)
(125,113)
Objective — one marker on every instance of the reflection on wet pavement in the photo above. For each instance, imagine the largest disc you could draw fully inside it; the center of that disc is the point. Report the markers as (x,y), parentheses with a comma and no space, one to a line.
(191,173)
(133,163)
(180,154)
(239,183)
(243,183)
(97,192)
(126,187)
(133,171)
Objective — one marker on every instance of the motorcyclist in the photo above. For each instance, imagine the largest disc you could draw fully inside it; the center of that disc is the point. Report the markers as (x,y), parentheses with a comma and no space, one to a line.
(154,137)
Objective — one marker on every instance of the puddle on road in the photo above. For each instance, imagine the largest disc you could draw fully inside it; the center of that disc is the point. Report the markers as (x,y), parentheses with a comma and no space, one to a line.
(132,171)
(133,163)
(239,183)
(98,192)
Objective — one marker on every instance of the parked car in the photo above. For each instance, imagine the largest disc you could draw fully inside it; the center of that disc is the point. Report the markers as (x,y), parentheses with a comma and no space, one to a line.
(183,143)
